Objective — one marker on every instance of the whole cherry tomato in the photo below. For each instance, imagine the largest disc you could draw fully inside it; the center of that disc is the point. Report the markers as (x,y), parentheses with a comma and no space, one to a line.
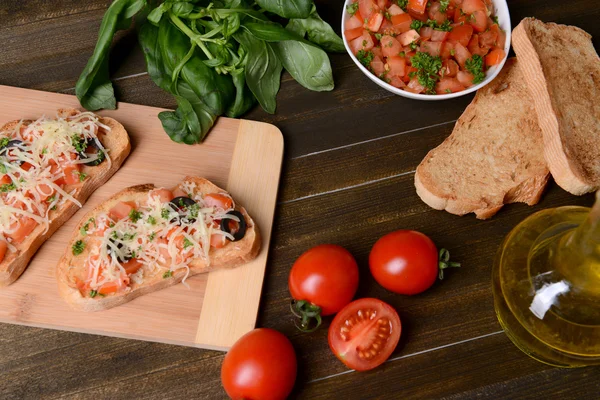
(261,365)
(407,262)
(322,281)
(364,333)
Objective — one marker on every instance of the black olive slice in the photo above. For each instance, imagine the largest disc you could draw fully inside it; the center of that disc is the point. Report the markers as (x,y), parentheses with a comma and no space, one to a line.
(10,144)
(241,231)
(121,258)
(91,144)
(182,204)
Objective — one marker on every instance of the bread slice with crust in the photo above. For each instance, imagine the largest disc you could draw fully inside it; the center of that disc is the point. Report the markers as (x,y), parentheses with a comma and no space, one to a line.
(231,255)
(562,70)
(117,143)
(493,156)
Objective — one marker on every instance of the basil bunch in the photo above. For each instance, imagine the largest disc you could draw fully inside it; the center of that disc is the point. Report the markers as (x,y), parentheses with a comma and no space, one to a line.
(215,57)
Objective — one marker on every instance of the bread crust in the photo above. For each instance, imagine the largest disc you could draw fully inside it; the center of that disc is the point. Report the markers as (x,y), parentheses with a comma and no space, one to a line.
(230,256)
(117,142)
(567,110)
(492,157)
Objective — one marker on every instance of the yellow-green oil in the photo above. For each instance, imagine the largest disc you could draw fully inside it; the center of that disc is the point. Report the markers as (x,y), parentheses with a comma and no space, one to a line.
(560,245)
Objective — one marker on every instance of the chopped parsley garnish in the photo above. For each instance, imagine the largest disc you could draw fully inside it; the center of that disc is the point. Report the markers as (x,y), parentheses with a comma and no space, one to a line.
(387,15)
(352,8)
(164,213)
(101,157)
(78,247)
(187,243)
(129,236)
(475,66)
(428,68)
(167,274)
(50,199)
(495,19)
(7,187)
(152,236)
(365,57)
(82,176)
(403,4)
(93,293)
(414,45)
(151,220)
(135,215)
(44,150)
(2,168)
(84,229)
(402,54)
(445,26)
(378,36)
(194,210)
(444,5)
(78,143)
(417,25)
(115,235)
(111,224)
(4,142)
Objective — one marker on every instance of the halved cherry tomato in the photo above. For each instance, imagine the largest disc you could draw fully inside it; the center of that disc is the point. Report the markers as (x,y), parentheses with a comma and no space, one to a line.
(3,249)
(364,333)
(121,210)
(26,225)
(417,6)
(132,266)
(326,276)
(494,57)
(218,200)
(260,365)
(165,195)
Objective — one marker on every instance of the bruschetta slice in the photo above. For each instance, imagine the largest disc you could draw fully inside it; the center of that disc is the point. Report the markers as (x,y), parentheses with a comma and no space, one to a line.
(48,169)
(144,239)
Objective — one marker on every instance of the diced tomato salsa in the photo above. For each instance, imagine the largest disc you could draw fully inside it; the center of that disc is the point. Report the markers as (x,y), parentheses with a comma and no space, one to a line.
(424,46)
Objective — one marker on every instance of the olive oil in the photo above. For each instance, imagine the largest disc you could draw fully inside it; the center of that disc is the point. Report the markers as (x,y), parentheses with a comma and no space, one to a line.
(546,282)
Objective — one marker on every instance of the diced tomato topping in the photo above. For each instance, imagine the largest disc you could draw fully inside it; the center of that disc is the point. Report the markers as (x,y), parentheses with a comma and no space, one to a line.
(363,42)
(354,22)
(495,57)
(449,68)
(470,6)
(5,179)
(465,78)
(121,210)
(395,10)
(479,21)
(417,6)
(377,66)
(461,54)
(366,8)
(24,226)
(408,37)
(390,46)
(488,38)
(402,22)
(426,32)
(132,266)
(435,13)
(461,34)
(3,249)
(414,86)
(500,36)
(397,82)
(374,22)
(352,34)
(377,52)
(448,85)
(218,200)
(475,48)
(439,36)
(397,66)
(108,288)
(165,195)
(407,76)
(447,50)
(217,241)
(432,48)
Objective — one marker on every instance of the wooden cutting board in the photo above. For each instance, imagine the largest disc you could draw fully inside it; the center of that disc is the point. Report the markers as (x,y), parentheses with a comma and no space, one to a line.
(243,156)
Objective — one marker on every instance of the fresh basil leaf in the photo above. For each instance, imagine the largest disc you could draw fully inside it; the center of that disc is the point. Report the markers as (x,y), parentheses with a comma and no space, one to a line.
(148,38)
(319,32)
(94,89)
(287,8)
(156,14)
(270,31)
(233,24)
(182,9)
(308,64)
(244,99)
(263,70)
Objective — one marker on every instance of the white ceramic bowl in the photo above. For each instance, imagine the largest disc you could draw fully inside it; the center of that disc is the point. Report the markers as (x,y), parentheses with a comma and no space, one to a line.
(501,11)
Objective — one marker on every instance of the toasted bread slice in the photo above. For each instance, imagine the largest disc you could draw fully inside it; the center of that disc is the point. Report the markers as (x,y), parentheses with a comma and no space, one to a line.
(562,71)
(117,143)
(231,255)
(493,156)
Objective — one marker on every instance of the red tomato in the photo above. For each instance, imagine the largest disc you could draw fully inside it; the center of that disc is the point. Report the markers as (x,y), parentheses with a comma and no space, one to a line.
(401,22)
(449,68)
(3,249)
(447,50)
(439,36)
(433,48)
(396,81)
(261,365)
(397,66)
(470,6)
(501,39)
(475,48)
(435,13)
(374,22)
(448,85)
(165,195)
(479,20)
(5,180)
(461,54)
(363,42)
(461,34)
(352,34)
(495,57)
(121,210)
(426,32)
(414,86)
(390,46)
(364,334)
(488,38)
(366,8)
(25,226)
(377,66)
(132,266)
(218,200)
(395,10)
(417,6)
(353,22)
(217,241)
(377,52)
(326,276)
(465,78)
(408,37)
(404,262)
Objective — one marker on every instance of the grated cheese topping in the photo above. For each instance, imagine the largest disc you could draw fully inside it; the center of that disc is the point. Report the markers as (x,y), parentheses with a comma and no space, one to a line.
(155,239)
(35,159)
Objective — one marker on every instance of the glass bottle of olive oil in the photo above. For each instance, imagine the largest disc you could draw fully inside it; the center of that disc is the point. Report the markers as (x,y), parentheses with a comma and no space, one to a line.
(546,282)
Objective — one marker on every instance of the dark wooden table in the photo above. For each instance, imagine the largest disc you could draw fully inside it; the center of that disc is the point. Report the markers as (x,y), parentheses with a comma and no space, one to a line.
(347,179)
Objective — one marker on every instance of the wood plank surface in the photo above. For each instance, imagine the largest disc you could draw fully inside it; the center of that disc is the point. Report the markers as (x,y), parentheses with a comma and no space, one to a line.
(347,179)
(197,315)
